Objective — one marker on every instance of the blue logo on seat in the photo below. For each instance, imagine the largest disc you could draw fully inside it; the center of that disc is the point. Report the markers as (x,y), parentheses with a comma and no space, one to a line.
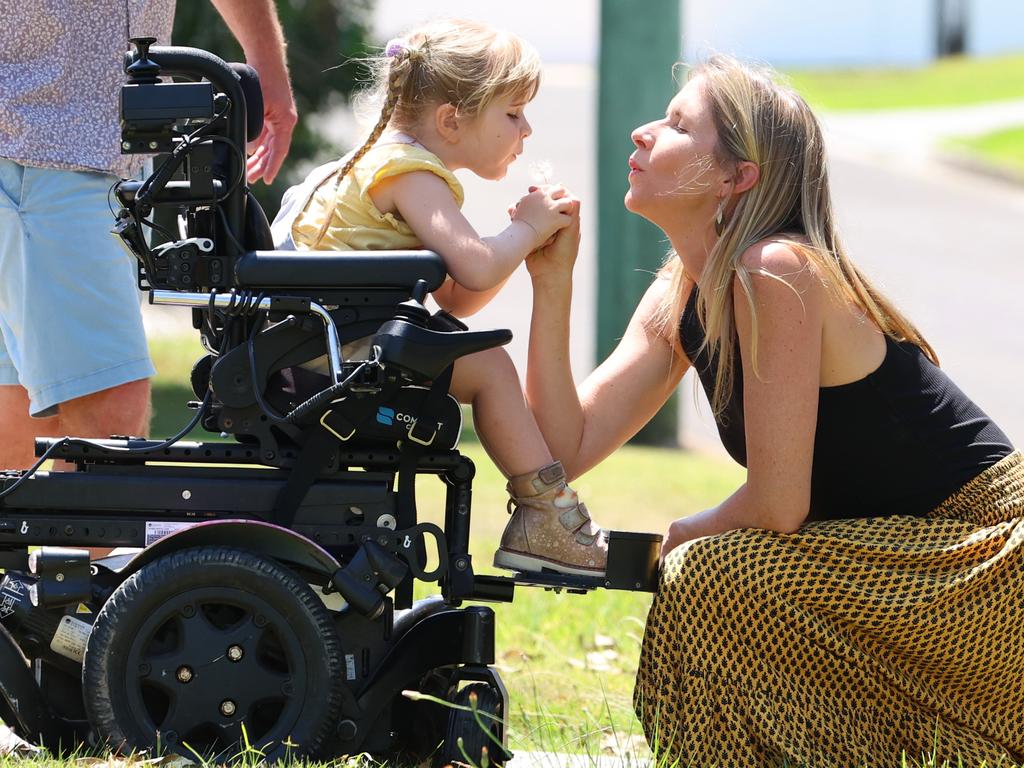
(386,416)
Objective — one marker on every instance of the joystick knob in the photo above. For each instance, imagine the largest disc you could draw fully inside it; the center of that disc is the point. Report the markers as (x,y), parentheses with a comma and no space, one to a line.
(143,70)
(413,310)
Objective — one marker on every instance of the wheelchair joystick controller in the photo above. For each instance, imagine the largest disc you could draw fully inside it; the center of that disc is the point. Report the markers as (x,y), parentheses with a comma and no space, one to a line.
(412,310)
(143,71)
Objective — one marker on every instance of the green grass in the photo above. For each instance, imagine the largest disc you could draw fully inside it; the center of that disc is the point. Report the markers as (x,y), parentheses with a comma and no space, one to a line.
(569,661)
(173,358)
(950,82)
(1001,148)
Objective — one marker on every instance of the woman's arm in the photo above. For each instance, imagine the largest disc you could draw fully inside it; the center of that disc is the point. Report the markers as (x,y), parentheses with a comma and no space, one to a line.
(478,264)
(584,426)
(780,405)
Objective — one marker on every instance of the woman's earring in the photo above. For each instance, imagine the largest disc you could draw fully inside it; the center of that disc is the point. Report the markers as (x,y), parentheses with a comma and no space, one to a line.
(720,218)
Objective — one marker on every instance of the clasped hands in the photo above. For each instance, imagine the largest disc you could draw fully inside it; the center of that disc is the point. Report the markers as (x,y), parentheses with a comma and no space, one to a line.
(554,213)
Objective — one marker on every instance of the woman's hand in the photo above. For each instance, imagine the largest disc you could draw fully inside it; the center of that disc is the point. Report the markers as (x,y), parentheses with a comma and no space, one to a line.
(679,532)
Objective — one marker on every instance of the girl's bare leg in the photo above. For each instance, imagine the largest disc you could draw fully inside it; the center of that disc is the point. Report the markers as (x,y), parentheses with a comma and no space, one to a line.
(549,527)
(488,381)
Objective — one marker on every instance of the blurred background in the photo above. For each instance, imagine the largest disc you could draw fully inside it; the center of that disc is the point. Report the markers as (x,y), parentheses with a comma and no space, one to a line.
(922,102)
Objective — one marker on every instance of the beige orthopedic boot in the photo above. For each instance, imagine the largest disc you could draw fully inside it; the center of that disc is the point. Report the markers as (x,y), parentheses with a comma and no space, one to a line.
(550,528)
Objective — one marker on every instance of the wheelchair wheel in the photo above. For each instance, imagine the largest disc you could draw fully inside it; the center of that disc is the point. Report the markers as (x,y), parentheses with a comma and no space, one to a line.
(470,733)
(213,650)
(420,725)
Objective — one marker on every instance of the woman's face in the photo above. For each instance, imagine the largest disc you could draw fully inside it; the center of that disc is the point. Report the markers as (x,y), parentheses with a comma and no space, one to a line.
(673,171)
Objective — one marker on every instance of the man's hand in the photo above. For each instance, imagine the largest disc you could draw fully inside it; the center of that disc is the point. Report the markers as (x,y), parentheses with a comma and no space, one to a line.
(279,117)
(255,25)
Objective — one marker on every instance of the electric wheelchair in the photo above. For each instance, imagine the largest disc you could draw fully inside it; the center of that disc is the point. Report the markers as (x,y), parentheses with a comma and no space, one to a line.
(271,602)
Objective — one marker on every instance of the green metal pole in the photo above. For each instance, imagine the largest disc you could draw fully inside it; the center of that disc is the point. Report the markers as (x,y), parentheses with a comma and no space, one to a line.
(639,44)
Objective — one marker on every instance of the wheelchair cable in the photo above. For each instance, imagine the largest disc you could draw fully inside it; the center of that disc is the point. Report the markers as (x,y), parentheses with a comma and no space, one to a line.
(64,441)
(312,403)
(227,230)
(326,395)
(270,413)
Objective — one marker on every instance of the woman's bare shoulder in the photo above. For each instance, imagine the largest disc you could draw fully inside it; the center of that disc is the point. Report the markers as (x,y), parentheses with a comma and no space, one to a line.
(780,276)
(779,257)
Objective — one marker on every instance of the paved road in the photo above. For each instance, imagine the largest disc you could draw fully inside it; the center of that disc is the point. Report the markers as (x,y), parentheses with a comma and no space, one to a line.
(946,245)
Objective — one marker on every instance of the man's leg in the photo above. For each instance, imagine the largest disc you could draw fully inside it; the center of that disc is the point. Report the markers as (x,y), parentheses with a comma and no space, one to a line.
(17,448)
(121,410)
(69,312)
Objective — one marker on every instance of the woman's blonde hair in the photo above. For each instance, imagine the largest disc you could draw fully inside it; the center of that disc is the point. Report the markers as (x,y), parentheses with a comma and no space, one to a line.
(449,61)
(760,121)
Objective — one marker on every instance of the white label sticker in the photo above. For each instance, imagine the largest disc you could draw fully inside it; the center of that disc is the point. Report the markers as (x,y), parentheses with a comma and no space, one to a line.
(157,529)
(71,637)
(350,666)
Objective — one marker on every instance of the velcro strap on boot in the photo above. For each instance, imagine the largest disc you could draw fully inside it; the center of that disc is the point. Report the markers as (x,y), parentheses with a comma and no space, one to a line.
(588,532)
(586,539)
(574,518)
(552,473)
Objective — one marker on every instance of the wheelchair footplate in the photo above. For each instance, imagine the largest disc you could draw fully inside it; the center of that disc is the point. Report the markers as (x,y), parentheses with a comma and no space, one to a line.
(633,560)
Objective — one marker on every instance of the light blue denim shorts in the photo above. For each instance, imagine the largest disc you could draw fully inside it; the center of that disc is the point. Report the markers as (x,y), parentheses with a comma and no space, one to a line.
(70,323)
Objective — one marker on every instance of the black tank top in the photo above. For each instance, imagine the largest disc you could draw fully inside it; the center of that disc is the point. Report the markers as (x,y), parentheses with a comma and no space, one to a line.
(898,441)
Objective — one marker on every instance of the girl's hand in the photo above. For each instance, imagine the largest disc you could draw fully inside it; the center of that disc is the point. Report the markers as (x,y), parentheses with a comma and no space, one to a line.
(558,254)
(546,209)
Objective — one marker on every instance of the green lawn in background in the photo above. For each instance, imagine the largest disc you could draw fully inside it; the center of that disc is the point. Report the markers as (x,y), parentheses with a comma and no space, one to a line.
(1004,148)
(949,82)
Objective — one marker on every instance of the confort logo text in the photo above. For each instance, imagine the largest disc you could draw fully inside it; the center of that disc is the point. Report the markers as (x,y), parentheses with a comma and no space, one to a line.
(388,416)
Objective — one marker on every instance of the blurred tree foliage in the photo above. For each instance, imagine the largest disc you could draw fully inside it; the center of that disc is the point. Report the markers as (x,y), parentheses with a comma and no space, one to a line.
(321,35)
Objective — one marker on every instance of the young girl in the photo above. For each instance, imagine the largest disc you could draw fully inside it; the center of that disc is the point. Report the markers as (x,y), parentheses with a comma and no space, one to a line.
(454,96)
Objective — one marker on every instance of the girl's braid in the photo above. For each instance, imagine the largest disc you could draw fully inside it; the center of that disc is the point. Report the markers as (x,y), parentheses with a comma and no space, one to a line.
(401,66)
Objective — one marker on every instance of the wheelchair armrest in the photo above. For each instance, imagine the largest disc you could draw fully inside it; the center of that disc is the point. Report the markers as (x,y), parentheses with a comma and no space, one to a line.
(425,352)
(339,269)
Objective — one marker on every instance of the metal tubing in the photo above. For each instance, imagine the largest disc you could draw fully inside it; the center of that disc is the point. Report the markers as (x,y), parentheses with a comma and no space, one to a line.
(225,301)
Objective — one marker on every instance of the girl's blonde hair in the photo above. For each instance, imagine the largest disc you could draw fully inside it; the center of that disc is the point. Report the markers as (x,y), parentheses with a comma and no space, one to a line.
(760,121)
(451,61)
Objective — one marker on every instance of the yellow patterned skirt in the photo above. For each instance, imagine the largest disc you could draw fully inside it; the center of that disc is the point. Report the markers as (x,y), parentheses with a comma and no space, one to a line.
(848,643)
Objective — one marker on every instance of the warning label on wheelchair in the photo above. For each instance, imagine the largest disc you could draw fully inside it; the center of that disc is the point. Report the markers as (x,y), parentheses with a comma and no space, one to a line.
(71,638)
(157,529)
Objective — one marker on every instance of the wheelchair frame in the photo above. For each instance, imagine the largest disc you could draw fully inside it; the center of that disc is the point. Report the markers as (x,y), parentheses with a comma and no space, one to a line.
(300,498)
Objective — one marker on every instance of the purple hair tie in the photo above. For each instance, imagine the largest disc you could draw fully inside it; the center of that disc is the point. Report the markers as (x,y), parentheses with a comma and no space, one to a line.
(396,46)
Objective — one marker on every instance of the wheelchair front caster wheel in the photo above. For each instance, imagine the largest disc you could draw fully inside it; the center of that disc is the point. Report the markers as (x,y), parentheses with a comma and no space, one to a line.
(474,737)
